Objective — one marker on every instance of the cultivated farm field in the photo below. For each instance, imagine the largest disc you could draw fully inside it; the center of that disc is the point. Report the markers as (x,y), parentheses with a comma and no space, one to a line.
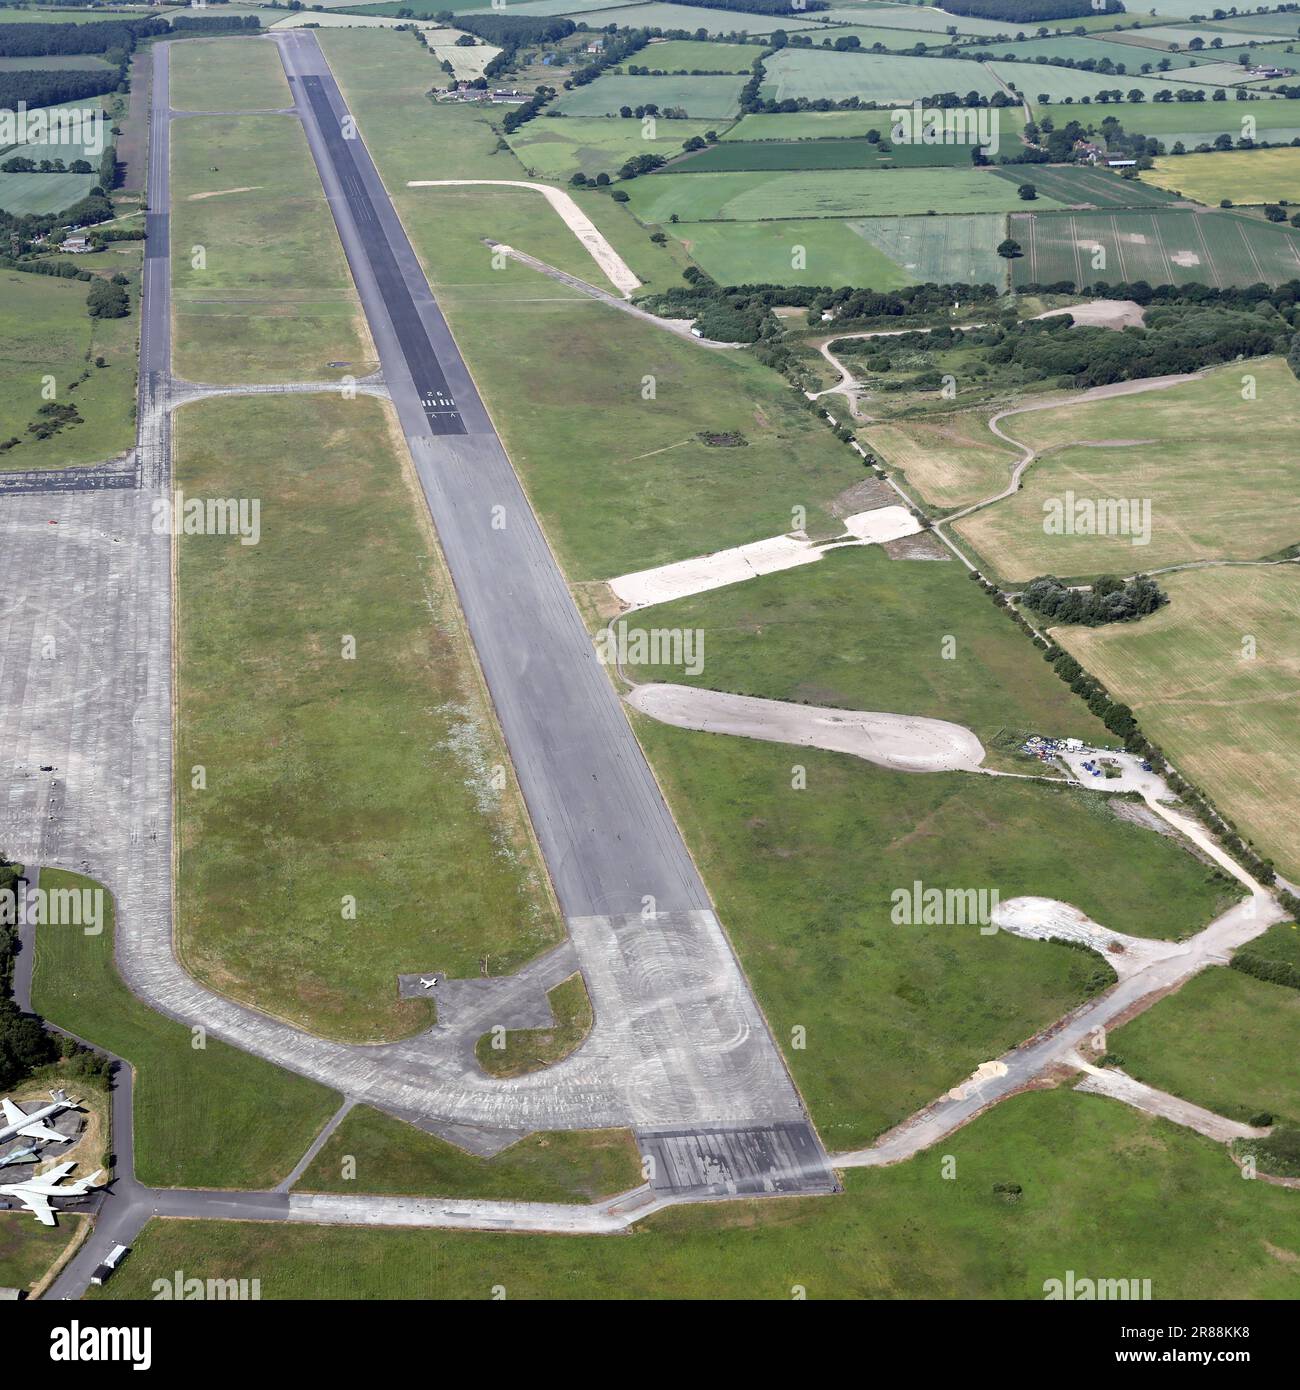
(1167,246)
(1222,707)
(817,73)
(1244,176)
(958,248)
(702,97)
(1075,186)
(798,251)
(822,193)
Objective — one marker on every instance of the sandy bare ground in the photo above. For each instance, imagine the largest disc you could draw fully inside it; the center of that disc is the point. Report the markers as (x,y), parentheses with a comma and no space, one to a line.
(1118,1085)
(904,743)
(1047,919)
(221,192)
(704,572)
(1102,313)
(616,269)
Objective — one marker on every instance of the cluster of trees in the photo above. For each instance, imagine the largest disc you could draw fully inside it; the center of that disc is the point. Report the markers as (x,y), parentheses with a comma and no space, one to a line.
(1181,339)
(1030,11)
(45,40)
(851,305)
(1110,600)
(108,299)
(509,32)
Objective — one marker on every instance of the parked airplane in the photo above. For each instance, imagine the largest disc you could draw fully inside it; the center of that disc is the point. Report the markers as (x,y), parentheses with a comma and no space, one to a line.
(36,1192)
(31,1126)
(20,1155)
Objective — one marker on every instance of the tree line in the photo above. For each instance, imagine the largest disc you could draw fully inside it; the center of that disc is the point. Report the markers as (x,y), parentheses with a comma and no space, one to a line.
(1030,11)
(48,40)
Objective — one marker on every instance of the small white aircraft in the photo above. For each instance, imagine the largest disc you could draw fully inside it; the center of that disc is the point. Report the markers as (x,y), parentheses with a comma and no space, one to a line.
(428,982)
(18,1123)
(36,1192)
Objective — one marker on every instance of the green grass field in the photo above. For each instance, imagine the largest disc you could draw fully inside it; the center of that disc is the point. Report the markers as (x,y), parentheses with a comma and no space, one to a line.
(1223,715)
(234,74)
(1165,247)
(328,779)
(733,155)
(1075,86)
(818,74)
(744,197)
(1247,176)
(210,1116)
(1195,122)
(687,55)
(828,125)
(389,1156)
(1225,1041)
(706,98)
(691,18)
(46,332)
(1167,446)
(778,637)
(556,149)
(942,250)
(898,1232)
(833,252)
(1074,186)
(803,877)
(270,298)
(28,1250)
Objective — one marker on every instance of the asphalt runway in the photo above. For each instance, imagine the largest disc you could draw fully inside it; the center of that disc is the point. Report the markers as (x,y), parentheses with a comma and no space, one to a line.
(687,1036)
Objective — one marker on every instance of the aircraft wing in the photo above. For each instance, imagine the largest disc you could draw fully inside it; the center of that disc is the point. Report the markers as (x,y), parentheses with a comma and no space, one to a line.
(48,1181)
(37,1129)
(40,1130)
(38,1204)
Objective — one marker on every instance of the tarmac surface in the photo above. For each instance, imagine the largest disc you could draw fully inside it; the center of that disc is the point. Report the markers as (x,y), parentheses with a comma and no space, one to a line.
(85,689)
